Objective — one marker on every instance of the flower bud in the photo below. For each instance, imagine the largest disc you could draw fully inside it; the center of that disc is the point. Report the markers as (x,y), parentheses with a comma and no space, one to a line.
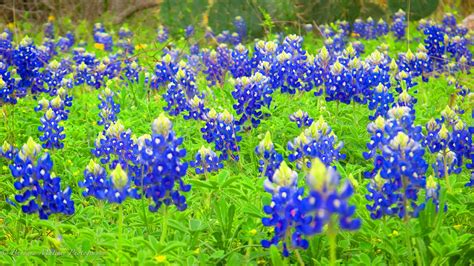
(119,177)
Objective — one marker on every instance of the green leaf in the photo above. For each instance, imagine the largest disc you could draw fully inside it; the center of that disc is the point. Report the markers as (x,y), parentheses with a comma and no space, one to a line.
(275,256)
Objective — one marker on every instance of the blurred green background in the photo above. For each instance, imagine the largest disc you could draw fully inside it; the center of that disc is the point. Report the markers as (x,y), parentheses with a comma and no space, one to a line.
(219,14)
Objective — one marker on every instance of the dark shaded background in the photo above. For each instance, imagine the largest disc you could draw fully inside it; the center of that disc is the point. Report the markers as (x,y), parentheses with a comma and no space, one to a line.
(219,14)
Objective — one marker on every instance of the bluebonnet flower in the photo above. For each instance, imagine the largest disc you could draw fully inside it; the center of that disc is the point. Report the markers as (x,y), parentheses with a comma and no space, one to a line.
(39,189)
(108,108)
(326,199)
(27,61)
(66,98)
(240,27)
(210,127)
(224,37)
(404,99)
(370,29)
(125,40)
(405,81)
(186,78)
(7,88)
(98,27)
(435,44)
(189,31)
(104,39)
(50,47)
(251,94)
(470,165)
(224,58)
(225,136)
(301,118)
(165,70)
(458,49)
(181,91)
(162,34)
(461,141)
(162,170)
(194,49)
(52,131)
(459,145)
(399,25)
(358,47)
(125,33)
(339,84)
(131,71)
(436,136)
(53,76)
(49,30)
(344,27)
(446,164)
(264,52)
(214,71)
(412,66)
(113,66)
(317,141)
(58,104)
(423,24)
(290,67)
(376,129)
(380,193)
(381,100)
(335,44)
(84,75)
(318,70)
(240,63)
(209,33)
(72,39)
(81,56)
(449,20)
(269,159)
(97,76)
(425,63)
(451,141)
(8,151)
(44,54)
(115,145)
(399,162)
(197,110)
(359,28)
(432,192)
(382,28)
(175,97)
(6,48)
(114,188)
(284,210)
(206,161)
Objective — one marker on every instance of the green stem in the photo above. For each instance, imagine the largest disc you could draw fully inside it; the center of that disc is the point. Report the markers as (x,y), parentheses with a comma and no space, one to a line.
(144,205)
(145,217)
(249,250)
(446,173)
(405,200)
(120,227)
(5,116)
(298,257)
(164,228)
(264,169)
(408,243)
(332,243)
